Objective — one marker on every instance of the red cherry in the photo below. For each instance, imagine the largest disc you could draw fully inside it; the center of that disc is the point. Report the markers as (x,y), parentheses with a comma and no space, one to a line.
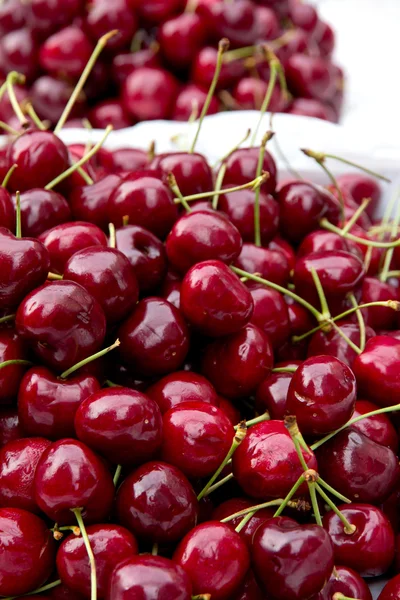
(19,52)
(49,96)
(69,475)
(125,63)
(203,70)
(378,428)
(66,52)
(270,314)
(100,20)
(182,387)
(148,575)
(309,107)
(12,16)
(41,210)
(236,22)
(249,93)
(234,505)
(370,549)
(310,76)
(320,240)
(11,348)
(7,211)
(192,172)
(10,428)
(192,98)
(27,552)
(267,23)
(49,15)
(180,38)
(270,264)
(391,589)
(291,560)
(157,11)
(149,93)
(47,404)
(157,503)
(333,344)
(374,290)
(111,545)
(266,463)
(109,112)
(359,186)
(344,581)
(303,15)
(90,202)
(325,38)
(282,246)
(271,394)
(241,167)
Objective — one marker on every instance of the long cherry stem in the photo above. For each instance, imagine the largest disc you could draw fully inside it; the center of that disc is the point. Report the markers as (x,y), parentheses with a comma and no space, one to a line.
(18,229)
(34,116)
(325,224)
(175,189)
(93,575)
(275,66)
(346,338)
(360,320)
(117,475)
(218,484)
(260,163)
(357,214)
(8,176)
(348,527)
(321,156)
(89,359)
(13,78)
(218,185)
(321,294)
(7,318)
(250,185)
(290,495)
(15,361)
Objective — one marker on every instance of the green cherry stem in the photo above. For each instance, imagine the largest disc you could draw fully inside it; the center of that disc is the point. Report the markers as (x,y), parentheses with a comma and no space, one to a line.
(250,185)
(53,276)
(13,78)
(284,369)
(8,129)
(275,66)
(18,229)
(117,475)
(44,588)
(340,596)
(80,162)
(202,597)
(16,361)
(260,163)
(321,294)
(342,334)
(252,509)
(348,527)
(175,189)
(355,216)
(218,484)
(393,274)
(360,320)
(112,242)
(384,224)
(101,44)
(222,48)
(34,116)
(7,318)
(8,176)
(227,155)
(89,359)
(237,440)
(321,156)
(264,417)
(325,224)
(290,495)
(154,550)
(93,575)
(332,490)
(218,185)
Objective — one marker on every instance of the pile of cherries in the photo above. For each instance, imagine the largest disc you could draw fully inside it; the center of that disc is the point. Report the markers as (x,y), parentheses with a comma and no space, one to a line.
(161,62)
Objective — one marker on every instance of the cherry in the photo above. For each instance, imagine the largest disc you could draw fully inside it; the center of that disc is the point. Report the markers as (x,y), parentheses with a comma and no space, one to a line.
(126,160)
(310,76)
(123,425)
(90,202)
(109,112)
(41,210)
(214,300)
(309,107)
(281,245)
(64,240)
(19,52)
(281,7)
(27,552)
(18,461)
(49,96)
(358,467)
(62,322)
(303,15)
(196,438)
(191,171)
(149,93)
(146,201)
(269,264)
(10,428)
(236,22)
(378,427)
(11,348)
(249,93)
(47,404)
(157,503)
(47,15)
(111,545)
(182,387)
(190,100)
(374,290)
(322,395)
(320,240)
(61,592)
(267,23)
(370,549)
(241,167)
(297,43)
(391,589)
(376,370)
(302,206)
(237,364)
(154,339)
(271,394)
(100,20)
(203,70)
(12,16)
(359,186)
(157,12)
(234,505)
(344,581)
(66,52)
(291,560)
(325,38)
(215,558)
(70,476)
(266,463)
(149,577)
(333,344)
(7,212)
(124,63)
(25,264)
(270,314)
(181,37)
(249,590)
(239,206)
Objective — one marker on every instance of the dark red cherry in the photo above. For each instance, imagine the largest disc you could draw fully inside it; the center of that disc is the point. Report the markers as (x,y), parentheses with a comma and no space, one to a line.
(203,70)
(181,37)
(146,201)
(64,240)
(124,63)
(19,52)
(333,344)
(62,322)
(41,210)
(149,93)
(249,590)
(182,387)
(344,581)
(90,202)
(111,545)
(157,503)
(155,338)
(70,475)
(325,38)
(192,172)
(10,428)
(302,206)
(322,395)
(266,463)
(370,549)
(100,20)
(376,370)
(7,211)
(40,155)
(47,404)
(391,589)
(320,239)
(123,425)
(358,467)
(196,438)
(236,22)
(281,245)
(271,394)
(214,300)
(360,186)
(11,348)
(149,576)
(291,560)
(378,427)
(249,93)
(27,552)
(109,112)
(49,96)
(236,364)
(241,167)
(374,290)
(126,160)
(297,43)
(12,16)
(18,462)
(269,264)
(267,23)
(239,206)
(61,592)
(25,264)
(157,12)
(234,505)
(66,52)
(108,276)
(50,15)
(270,314)
(310,77)
(191,100)
(308,107)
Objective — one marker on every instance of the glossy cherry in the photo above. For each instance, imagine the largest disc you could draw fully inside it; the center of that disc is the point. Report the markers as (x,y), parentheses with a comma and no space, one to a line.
(18,52)
(378,427)
(334,344)
(124,63)
(310,76)
(360,186)
(347,582)
(391,589)
(234,505)
(308,107)
(182,387)
(90,202)
(374,290)
(11,348)
(270,314)
(49,96)
(157,503)
(271,394)
(291,560)
(237,23)
(181,37)
(191,100)
(100,20)
(203,70)
(269,264)
(241,167)
(66,52)
(109,112)
(7,211)
(191,171)
(149,93)
(10,428)
(321,239)
(249,93)
(41,210)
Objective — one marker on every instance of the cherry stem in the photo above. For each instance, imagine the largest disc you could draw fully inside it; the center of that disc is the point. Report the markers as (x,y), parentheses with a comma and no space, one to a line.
(89,359)
(237,440)
(257,226)
(218,185)
(378,411)
(342,334)
(93,576)
(332,490)
(15,361)
(282,290)
(18,229)
(227,155)
(251,184)
(8,176)
(348,527)
(175,189)
(356,215)
(8,129)
(154,550)
(321,294)
(13,78)
(340,596)
(285,369)
(360,319)
(222,48)
(357,166)
(80,162)
(34,116)
(44,588)
(219,484)
(202,597)
(388,211)
(117,475)
(264,417)
(83,78)
(7,318)
(290,495)
(393,274)
(332,180)
(112,242)
(253,509)
(54,276)
(389,253)
(275,66)
(325,224)
(111,383)
(240,53)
